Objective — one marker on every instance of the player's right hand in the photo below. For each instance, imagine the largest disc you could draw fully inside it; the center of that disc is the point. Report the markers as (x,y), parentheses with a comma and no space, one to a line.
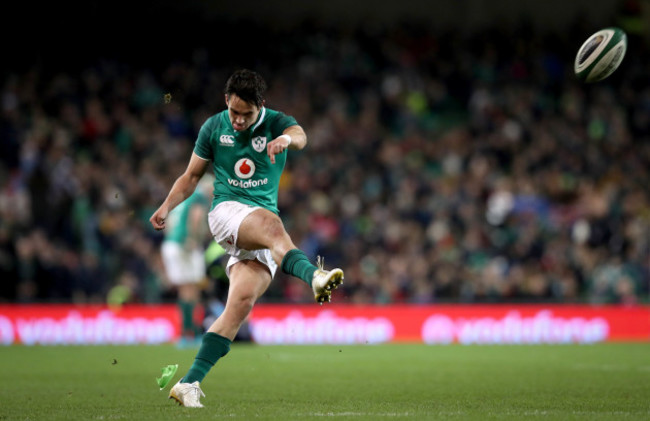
(277,146)
(158,219)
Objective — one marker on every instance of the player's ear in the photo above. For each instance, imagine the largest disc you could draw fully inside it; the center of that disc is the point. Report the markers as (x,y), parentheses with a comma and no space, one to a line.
(263,102)
(226,98)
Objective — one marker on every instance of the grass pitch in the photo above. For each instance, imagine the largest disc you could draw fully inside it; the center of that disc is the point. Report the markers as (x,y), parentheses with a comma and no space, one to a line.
(372,382)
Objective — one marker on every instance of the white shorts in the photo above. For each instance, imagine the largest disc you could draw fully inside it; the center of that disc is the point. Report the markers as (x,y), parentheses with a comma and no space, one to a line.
(182,266)
(224,221)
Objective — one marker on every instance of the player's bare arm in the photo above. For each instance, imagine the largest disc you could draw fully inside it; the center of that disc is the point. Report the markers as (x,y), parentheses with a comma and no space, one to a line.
(293,137)
(183,187)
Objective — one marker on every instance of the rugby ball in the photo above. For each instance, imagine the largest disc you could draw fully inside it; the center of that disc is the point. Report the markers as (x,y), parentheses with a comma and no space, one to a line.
(600,55)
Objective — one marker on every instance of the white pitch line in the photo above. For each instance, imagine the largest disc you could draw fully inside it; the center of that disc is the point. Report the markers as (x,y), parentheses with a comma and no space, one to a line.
(359,414)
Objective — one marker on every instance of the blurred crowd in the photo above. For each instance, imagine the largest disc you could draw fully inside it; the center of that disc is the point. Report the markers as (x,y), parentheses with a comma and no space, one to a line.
(440,167)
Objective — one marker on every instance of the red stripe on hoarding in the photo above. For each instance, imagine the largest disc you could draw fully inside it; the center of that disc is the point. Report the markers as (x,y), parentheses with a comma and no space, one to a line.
(93,324)
(340,324)
(481,324)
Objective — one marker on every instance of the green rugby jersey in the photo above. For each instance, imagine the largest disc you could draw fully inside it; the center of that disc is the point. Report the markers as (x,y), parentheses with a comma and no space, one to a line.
(176,228)
(243,172)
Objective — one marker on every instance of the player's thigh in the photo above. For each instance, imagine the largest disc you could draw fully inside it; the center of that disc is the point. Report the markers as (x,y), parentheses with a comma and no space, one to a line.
(261,229)
(249,279)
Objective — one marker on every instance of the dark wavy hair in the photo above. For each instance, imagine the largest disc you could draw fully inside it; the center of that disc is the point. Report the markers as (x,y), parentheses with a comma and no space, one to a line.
(247,85)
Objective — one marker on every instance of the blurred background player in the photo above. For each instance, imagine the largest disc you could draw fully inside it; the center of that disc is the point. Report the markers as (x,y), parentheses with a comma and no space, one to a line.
(183,255)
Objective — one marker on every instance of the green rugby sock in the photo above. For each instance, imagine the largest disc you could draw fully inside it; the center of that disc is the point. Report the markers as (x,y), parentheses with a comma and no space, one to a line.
(187,316)
(213,347)
(296,263)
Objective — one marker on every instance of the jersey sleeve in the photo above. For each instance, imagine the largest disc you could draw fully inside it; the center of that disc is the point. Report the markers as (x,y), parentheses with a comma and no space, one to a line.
(203,146)
(281,122)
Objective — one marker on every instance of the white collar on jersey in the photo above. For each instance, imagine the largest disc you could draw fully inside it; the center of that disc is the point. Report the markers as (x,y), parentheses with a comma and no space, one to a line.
(262,114)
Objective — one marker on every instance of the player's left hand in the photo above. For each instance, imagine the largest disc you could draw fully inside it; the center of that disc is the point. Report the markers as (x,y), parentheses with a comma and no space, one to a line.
(276,146)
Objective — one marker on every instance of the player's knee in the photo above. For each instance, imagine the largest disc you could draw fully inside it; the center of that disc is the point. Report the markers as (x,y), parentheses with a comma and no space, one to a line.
(244,302)
(274,228)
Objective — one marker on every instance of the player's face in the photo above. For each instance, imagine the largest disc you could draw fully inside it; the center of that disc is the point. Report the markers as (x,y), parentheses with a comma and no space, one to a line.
(242,114)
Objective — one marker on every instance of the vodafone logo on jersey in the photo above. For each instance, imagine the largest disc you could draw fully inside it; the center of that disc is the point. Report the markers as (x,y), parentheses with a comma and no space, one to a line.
(245,168)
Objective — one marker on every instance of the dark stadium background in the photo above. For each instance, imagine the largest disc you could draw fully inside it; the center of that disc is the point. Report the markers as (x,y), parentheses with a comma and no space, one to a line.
(158,31)
(348,56)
